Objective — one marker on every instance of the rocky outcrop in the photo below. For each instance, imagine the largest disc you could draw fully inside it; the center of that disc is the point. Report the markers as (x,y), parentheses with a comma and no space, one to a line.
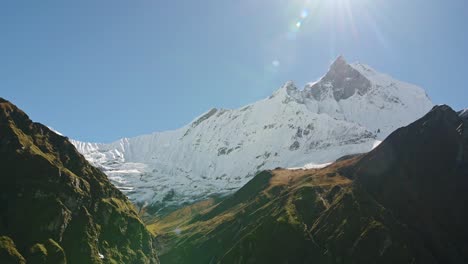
(343,81)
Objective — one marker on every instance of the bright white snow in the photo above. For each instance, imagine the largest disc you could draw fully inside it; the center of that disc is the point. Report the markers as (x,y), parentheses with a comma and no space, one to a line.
(55,131)
(464,113)
(223,149)
(311,166)
(376,144)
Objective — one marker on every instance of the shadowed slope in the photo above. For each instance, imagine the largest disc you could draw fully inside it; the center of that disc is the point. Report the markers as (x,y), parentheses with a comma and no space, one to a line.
(57,208)
(421,173)
(404,202)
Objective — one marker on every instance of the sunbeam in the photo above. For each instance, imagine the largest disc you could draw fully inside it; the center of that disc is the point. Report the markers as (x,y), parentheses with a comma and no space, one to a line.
(337,18)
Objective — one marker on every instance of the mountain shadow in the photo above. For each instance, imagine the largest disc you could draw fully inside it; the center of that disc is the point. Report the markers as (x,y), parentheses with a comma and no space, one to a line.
(57,208)
(404,202)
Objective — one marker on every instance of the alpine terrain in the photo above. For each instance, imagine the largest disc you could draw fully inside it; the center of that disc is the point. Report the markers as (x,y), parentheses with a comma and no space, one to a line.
(404,202)
(348,111)
(56,208)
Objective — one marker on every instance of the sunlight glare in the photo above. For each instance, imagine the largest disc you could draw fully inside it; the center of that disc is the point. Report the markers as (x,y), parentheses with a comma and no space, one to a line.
(275,63)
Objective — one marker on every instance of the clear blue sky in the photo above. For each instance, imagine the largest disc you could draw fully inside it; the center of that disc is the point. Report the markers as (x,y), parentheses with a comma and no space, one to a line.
(101,70)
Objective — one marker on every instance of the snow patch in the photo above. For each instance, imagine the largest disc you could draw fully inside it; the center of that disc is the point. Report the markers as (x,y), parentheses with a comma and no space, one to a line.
(55,131)
(464,113)
(376,144)
(312,166)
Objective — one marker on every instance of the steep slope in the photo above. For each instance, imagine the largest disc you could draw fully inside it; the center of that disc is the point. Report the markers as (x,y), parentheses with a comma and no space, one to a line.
(57,208)
(403,202)
(421,173)
(348,111)
(464,113)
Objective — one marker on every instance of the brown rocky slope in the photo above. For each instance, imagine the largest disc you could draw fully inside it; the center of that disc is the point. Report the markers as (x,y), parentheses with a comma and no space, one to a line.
(57,208)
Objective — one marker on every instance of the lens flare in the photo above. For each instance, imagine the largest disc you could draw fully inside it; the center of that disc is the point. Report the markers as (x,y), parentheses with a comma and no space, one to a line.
(342,20)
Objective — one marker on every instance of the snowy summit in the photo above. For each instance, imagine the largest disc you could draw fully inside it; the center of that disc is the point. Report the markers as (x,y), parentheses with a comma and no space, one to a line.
(348,111)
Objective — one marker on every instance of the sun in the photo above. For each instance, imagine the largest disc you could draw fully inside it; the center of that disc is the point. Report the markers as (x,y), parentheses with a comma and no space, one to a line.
(341,20)
(336,14)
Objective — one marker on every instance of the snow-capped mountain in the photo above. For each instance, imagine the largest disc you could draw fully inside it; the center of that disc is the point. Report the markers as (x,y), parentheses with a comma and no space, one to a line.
(348,111)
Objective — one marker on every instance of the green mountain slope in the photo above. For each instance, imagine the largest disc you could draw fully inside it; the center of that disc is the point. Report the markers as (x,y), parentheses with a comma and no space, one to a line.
(404,202)
(57,208)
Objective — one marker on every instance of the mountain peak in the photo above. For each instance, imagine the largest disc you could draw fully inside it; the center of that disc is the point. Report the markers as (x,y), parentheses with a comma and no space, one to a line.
(10,112)
(288,88)
(442,108)
(385,192)
(48,186)
(444,112)
(342,80)
(4,104)
(345,112)
(339,61)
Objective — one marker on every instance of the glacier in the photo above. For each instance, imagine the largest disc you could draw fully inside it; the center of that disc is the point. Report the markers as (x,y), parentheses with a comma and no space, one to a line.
(349,110)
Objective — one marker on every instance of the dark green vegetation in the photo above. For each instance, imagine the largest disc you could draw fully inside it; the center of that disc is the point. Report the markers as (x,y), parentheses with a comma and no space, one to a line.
(404,202)
(57,208)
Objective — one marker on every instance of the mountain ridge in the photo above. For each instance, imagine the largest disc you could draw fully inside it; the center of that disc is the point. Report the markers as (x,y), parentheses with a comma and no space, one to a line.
(403,202)
(288,129)
(57,208)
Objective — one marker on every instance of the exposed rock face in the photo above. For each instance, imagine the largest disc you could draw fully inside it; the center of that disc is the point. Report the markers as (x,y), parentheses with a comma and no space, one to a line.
(348,111)
(57,208)
(342,80)
(403,202)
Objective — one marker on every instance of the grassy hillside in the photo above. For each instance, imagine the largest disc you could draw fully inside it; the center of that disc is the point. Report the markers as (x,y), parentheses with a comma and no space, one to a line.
(57,208)
(404,202)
